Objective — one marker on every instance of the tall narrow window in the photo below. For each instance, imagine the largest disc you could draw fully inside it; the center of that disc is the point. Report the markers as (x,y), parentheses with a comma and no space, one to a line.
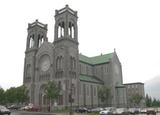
(57,63)
(62,26)
(73,89)
(39,40)
(95,91)
(60,62)
(72,30)
(80,68)
(80,89)
(42,40)
(31,41)
(74,63)
(71,63)
(88,90)
(61,29)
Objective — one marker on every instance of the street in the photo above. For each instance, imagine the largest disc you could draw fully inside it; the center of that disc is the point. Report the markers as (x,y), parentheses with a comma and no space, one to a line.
(42,113)
(30,113)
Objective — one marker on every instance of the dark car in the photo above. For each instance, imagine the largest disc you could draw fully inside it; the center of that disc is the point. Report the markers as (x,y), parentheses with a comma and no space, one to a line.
(14,107)
(4,110)
(81,110)
(34,108)
(151,112)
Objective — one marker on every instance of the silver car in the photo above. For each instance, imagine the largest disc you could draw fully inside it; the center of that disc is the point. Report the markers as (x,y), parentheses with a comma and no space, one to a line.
(4,110)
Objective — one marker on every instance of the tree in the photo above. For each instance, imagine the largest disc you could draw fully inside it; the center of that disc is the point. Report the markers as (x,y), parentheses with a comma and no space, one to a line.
(103,94)
(136,99)
(148,101)
(52,91)
(152,102)
(22,94)
(2,99)
(10,95)
(16,95)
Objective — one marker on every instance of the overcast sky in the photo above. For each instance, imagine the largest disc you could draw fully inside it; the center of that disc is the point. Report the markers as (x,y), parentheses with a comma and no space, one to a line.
(130,26)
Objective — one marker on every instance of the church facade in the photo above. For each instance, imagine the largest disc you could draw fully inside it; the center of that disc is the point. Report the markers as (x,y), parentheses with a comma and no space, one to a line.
(61,62)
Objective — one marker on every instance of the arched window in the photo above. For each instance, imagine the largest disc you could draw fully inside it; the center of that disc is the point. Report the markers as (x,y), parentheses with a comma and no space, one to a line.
(28,70)
(73,89)
(42,96)
(72,62)
(71,30)
(61,29)
(59,62)
(31,41)
(40,40)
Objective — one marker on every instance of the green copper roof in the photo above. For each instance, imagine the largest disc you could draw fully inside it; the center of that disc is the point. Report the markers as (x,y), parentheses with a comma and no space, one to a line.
(97,59)
(90,79)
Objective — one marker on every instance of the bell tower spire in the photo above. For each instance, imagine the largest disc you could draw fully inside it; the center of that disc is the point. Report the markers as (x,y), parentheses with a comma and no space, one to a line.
(66,48)
(37,34)
(66,25)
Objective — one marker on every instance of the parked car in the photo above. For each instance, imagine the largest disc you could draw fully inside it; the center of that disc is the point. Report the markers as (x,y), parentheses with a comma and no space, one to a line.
(134,110)
(25,108)
(143,110)
(30,107)
(34,108)
(81,110)
(121,111)
(4,110)
(98,109)
(151,111)
(107,111)
(14,107)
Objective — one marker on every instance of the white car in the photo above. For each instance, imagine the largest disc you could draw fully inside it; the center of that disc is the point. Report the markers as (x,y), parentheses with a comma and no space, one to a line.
(107,111)
(134,110)
(98,109)
(4,110)
(144,110)
(121,111)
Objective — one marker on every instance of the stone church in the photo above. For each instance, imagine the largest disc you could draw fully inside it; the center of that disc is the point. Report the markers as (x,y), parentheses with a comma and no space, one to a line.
(61,62)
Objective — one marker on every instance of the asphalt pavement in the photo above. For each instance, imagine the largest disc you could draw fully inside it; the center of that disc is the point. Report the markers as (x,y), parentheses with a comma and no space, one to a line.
(30,113)
(43,113)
